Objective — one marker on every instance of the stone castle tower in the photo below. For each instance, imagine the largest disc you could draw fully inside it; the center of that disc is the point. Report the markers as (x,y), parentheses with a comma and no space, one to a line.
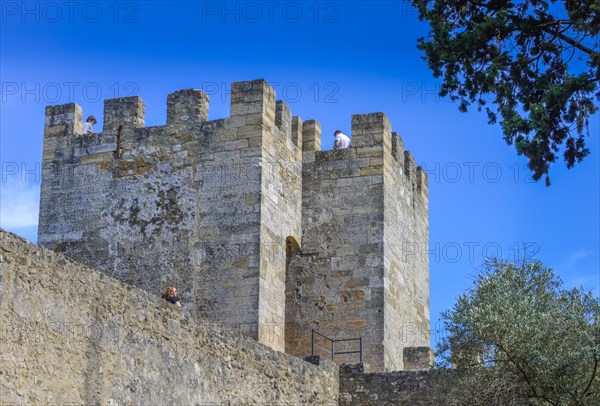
(258,228)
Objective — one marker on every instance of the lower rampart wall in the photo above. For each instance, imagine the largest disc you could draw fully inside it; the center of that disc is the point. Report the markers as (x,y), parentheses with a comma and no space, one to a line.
(70,335)
(399,388)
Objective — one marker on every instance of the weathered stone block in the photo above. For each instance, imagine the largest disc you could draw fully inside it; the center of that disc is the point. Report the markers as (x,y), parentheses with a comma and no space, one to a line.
(417,358)
(189,106)
(311,136)
(124,113)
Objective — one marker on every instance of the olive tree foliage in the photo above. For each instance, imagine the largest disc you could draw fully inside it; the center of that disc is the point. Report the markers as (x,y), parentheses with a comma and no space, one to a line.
(533,65)
(516,337)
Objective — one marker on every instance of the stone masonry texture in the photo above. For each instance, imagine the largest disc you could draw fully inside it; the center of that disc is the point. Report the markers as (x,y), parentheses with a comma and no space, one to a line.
(260,230)
(400,388)
(71,335)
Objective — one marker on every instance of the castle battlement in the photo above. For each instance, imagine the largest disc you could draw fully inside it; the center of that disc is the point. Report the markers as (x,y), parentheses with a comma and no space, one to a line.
(252,105)
(253,222)
(251,102)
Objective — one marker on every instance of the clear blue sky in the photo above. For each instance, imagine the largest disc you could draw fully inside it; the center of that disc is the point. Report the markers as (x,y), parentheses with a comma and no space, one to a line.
(328,60)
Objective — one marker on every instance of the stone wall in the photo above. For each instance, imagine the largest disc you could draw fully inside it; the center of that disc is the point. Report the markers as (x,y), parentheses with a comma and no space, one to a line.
(280,217)
(335,285)
(71,335)
(195,203)
(358,387)
(259,229)
(363,209)
(406,246)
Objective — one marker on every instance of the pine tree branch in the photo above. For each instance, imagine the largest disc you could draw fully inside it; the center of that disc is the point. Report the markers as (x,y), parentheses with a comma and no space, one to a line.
(568,40)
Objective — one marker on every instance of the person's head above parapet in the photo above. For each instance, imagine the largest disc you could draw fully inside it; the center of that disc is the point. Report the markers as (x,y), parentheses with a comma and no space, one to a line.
(91,119)
(171,292)
(171,296)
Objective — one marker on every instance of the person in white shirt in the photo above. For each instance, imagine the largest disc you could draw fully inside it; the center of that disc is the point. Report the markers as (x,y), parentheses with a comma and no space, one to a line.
(341,140)
(87,126)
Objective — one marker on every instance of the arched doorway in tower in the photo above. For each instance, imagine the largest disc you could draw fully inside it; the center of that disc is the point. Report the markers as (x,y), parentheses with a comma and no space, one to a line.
(292,296)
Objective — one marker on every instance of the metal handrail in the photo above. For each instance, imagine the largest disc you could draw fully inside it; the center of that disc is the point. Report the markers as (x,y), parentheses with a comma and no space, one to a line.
(333,341)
